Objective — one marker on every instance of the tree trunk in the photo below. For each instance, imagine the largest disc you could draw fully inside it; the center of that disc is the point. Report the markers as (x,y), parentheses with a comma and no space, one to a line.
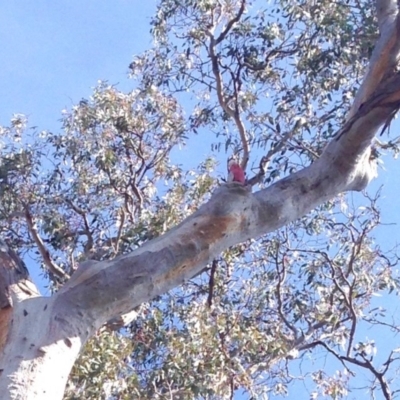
(36,354)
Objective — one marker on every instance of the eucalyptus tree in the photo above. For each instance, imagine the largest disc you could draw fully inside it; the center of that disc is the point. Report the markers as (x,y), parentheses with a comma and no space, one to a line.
(166,280)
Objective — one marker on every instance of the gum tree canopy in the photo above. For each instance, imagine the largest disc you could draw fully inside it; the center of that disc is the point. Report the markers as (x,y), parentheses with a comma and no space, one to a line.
(173,284)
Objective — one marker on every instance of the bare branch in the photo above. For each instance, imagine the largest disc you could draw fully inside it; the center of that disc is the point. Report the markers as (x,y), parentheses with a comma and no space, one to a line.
(230,24)
(234,114)
(281,280)
(52,266)
(212,282)
(378,375)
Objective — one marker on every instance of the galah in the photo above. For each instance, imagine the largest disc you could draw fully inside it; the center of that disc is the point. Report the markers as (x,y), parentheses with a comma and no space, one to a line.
(236,173)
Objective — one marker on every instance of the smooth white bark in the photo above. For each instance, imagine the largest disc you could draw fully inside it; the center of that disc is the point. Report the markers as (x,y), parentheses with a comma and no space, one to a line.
(44,335)
(38,359)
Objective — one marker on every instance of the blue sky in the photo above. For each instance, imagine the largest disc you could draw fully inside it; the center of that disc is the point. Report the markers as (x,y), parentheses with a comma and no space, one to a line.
(53,52)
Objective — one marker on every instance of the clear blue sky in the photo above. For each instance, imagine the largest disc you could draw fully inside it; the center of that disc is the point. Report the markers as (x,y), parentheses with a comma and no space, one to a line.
(53,52)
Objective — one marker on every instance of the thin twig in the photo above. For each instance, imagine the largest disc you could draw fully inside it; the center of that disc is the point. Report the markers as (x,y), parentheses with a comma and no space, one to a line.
(338,356)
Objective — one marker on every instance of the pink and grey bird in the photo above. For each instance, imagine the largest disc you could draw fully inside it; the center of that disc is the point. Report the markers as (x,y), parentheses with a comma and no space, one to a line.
(236,173)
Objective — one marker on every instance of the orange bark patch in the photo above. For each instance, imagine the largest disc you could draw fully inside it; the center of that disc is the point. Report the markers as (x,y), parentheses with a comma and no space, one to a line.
(5,317)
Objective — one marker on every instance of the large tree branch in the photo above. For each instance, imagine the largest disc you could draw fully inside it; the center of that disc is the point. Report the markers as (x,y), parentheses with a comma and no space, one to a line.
(384,58)
(232,215)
